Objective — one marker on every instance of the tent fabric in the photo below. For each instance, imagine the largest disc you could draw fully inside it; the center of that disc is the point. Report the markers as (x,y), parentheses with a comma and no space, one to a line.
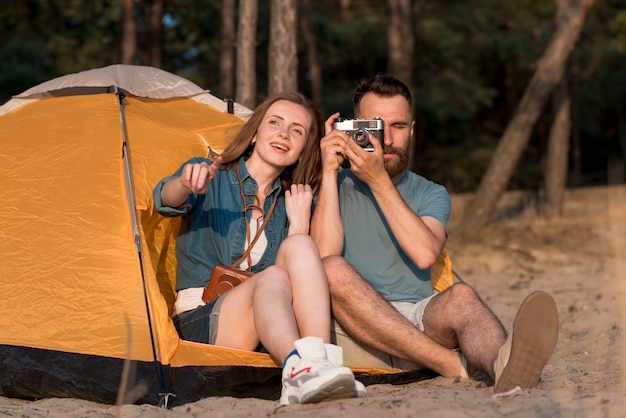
(139,81)
(88,279)
(441,274)
(86,288)
(145,82)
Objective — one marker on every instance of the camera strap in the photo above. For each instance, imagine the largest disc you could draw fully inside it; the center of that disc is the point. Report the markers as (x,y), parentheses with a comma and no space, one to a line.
(266,218)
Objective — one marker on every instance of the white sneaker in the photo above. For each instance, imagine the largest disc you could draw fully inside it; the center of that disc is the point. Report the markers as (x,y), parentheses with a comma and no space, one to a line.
(313,377)
(334,353)
(359,390)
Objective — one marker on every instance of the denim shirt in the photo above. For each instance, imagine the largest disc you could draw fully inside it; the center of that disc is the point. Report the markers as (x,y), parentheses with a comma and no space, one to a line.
(213,228)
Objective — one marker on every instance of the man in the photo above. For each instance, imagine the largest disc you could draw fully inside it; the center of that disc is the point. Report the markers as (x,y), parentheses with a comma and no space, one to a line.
(380,227)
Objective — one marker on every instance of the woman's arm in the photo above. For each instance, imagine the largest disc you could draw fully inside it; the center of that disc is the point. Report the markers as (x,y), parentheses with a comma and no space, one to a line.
(195,178)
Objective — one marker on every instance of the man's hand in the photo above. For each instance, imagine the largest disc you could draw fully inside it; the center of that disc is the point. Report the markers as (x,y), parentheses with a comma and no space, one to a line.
(196,177)
(333,146)
(368,166)
(298,202)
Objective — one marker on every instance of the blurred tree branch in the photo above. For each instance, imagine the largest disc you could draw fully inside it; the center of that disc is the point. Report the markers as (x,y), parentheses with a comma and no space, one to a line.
(570,17)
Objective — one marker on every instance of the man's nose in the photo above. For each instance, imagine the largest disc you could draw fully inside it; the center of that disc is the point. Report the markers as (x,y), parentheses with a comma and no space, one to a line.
(387,139)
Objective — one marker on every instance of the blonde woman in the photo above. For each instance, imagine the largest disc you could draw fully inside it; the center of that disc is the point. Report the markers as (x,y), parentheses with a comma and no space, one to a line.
(271,169)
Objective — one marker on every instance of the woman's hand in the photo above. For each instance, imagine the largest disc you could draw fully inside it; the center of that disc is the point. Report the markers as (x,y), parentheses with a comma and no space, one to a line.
(196,177)
(298,201)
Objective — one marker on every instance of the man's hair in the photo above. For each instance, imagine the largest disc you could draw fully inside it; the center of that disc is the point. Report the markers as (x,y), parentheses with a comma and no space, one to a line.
(382,85)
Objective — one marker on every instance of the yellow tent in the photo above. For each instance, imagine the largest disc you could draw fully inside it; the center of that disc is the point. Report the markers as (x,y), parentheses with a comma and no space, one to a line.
(87,278)
(88,274)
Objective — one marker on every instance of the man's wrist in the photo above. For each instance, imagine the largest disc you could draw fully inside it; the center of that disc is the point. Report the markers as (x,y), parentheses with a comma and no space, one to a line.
(380,184)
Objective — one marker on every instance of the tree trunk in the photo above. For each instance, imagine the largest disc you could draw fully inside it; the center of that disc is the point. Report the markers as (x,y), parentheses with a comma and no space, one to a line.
(246,53)
(401,41)
(154,20)
(347,13)
(401,47)
(576,171)
(622,139)
(283,61)
(129,34)
(315,68)
(616,164)
(570,17)
(227,49)
(558,151)
(621,131)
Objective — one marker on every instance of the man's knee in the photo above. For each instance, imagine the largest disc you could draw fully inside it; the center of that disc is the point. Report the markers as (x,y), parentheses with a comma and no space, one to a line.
(458,296)
(334,262)
(463,292)
(339,272)
(453,306)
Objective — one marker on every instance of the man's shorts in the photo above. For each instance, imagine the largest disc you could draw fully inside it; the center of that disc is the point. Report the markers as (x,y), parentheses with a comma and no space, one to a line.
(357,355)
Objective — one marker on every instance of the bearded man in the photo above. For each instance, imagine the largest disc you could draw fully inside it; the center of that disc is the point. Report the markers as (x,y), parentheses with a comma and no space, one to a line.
(379,228)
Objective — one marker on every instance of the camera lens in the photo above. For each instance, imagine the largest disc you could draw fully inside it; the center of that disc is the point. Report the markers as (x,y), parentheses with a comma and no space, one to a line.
(361,137)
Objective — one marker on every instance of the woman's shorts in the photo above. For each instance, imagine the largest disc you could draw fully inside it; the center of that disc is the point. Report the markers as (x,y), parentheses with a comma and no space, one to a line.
(199,324)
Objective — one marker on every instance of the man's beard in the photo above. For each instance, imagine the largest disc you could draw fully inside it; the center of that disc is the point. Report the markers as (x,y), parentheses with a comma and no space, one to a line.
(396,166)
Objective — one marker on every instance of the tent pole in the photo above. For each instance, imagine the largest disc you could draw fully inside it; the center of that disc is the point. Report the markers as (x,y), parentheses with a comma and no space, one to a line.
(165,395)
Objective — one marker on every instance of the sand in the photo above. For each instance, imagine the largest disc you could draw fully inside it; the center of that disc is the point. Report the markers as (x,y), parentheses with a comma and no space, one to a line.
(580,258)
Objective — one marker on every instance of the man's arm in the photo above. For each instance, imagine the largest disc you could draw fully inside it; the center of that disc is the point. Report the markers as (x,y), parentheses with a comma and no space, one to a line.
(326,226)
(422,239)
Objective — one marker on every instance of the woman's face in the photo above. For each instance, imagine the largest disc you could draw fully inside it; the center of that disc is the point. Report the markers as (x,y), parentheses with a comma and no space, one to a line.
(282,134)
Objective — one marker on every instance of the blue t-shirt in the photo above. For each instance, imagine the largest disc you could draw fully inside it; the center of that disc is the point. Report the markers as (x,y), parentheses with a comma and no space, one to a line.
(213,229)
(369,244)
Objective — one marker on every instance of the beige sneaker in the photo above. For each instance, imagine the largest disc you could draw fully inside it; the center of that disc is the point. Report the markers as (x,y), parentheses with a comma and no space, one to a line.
(530,344)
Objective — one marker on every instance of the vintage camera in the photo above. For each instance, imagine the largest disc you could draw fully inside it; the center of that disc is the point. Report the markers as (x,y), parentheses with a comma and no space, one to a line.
(361,129)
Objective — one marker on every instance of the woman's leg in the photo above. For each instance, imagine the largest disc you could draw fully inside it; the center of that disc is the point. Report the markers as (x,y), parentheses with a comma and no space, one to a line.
(259,309)
(277,307)
(299,257)
(280,304)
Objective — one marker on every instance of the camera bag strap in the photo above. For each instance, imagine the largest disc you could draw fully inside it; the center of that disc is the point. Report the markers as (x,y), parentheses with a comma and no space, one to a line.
(266,218)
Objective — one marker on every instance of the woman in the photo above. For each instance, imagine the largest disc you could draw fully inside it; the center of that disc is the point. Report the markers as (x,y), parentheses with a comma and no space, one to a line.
(284,306)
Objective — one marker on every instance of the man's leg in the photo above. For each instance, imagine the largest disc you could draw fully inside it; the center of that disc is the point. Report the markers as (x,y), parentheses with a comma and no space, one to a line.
(368,318)
(457,317)
(529,346)
(517,360)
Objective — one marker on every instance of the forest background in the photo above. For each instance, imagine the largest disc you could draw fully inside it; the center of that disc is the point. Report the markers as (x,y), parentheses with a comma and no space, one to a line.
(474,68)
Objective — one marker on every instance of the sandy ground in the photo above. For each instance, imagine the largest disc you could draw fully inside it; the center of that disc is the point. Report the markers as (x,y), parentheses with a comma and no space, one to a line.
(579,258)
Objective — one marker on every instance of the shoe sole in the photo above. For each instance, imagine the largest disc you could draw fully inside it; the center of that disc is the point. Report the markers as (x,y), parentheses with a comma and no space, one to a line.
(339,387)
(533,339)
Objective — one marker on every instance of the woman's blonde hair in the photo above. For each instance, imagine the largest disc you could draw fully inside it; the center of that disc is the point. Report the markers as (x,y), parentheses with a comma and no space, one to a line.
(307,170)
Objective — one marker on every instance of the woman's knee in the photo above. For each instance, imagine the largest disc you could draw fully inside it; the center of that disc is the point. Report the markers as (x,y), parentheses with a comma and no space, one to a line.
(299,244)
(298,241)
(272,275)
